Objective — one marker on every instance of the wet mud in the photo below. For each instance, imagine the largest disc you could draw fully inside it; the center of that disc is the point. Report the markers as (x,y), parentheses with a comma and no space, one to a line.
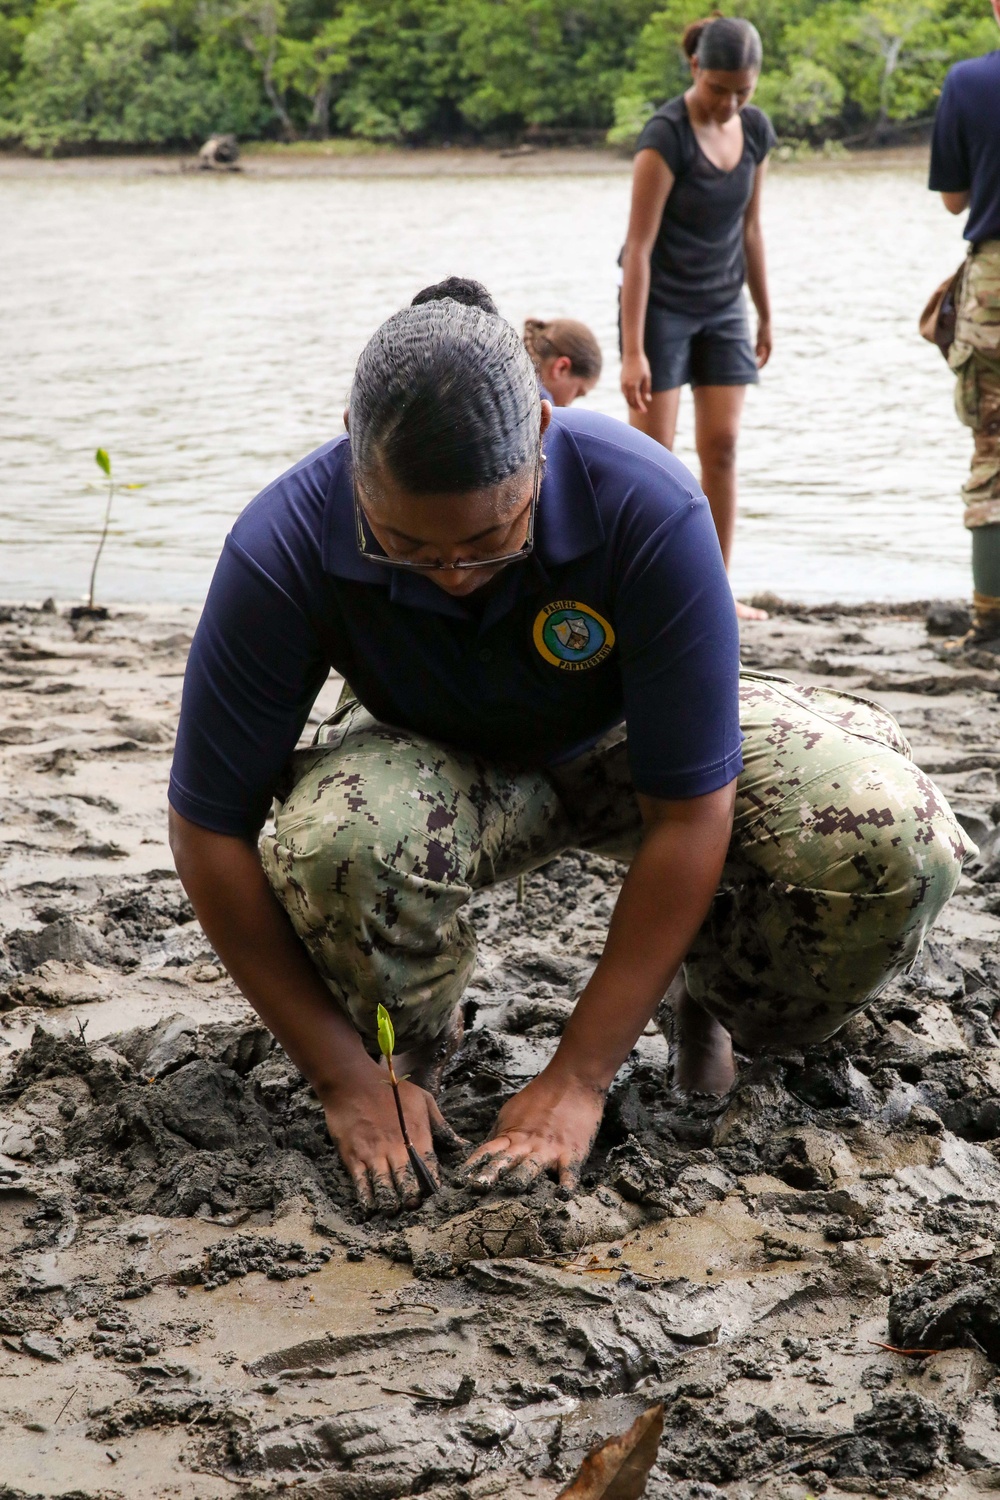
(191,1304)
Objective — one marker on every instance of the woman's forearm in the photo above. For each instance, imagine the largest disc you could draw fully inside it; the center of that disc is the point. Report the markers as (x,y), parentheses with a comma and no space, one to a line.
(753,245)
(635,298)
(663,902)
(253,937)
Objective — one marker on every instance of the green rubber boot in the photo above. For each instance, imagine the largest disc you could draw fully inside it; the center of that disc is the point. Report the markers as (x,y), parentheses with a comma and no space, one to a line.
(986,581)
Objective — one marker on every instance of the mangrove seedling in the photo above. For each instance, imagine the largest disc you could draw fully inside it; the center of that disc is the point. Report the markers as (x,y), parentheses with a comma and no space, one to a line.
(103,462)
(387,1043)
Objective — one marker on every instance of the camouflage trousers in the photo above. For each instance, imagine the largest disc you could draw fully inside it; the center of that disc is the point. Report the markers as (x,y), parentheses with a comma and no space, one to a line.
(842,855)
(975,358)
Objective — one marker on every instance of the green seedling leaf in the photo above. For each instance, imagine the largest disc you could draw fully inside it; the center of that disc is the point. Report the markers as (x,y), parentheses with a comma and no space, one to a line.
(386,1042)
(102,461)
(133,486)
(386,1033)
(619,1469)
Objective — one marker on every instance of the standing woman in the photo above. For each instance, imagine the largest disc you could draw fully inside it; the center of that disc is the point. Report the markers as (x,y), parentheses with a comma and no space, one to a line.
(566,356)
(694,237)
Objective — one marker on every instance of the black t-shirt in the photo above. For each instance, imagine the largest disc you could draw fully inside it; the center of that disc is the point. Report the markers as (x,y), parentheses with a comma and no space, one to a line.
(697,263)
(965,150)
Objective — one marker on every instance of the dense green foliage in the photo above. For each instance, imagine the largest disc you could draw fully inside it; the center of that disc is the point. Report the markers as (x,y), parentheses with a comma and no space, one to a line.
(145,72)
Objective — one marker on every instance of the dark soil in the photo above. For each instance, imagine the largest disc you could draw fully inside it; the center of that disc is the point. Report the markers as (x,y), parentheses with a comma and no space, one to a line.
(170,1204)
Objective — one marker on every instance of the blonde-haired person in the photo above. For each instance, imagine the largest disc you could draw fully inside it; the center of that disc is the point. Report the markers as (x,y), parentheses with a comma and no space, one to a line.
(694,237)
(566,356)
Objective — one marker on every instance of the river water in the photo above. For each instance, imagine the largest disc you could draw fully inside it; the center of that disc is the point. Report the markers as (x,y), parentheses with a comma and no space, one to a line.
(203,329)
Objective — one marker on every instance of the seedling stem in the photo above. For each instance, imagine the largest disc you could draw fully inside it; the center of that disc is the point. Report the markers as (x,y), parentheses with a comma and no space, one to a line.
(387,1042)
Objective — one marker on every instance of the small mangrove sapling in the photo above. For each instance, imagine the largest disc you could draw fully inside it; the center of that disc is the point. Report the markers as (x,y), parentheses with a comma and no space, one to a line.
(387,1043)
(103,462)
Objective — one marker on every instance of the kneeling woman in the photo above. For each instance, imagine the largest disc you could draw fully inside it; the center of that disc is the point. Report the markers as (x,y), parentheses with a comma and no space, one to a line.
(533,612)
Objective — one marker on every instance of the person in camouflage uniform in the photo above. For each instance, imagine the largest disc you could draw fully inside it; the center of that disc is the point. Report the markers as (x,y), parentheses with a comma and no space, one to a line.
(975,358)
(843,852)
(532,610)
(965,169)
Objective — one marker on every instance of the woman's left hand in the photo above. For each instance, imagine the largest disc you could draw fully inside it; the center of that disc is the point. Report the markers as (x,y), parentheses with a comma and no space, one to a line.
(764,342)
(548,1128)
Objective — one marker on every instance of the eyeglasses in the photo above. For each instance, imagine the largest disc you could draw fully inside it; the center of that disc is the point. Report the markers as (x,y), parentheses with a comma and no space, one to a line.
(460,564)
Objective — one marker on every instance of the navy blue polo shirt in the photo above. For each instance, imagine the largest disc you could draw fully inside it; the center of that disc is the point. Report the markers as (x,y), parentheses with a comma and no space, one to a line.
(965,147)
(623,611)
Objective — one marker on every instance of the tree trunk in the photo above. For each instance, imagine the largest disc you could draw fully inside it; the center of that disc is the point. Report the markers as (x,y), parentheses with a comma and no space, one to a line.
(890,48)
(267,76)
(891,56)
(319,125)
(278,104)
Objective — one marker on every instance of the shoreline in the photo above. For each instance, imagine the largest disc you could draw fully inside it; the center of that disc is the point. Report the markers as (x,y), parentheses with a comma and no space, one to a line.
(358,159)
(166,609)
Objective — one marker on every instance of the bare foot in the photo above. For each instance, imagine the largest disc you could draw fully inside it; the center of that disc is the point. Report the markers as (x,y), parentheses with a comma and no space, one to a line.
(425,1065)
(703,1060)
(749,611)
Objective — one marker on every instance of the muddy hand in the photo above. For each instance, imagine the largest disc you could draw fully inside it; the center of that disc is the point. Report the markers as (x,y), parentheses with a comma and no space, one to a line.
(546,1129)
(364,1126)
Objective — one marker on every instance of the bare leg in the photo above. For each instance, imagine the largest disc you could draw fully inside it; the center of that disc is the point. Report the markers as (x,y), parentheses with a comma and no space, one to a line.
(703,1061)
(660,421)
(717,412)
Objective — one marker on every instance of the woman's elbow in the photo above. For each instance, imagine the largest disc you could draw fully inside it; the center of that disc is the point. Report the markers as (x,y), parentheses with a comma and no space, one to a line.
(198,850)
(192,847)
(635,253)
(179,837)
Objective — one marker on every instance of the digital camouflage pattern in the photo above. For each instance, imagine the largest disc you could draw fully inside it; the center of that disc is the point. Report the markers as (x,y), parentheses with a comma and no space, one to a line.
(843,853)
(975,358)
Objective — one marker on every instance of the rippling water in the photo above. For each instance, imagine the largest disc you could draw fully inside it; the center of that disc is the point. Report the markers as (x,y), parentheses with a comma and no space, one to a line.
(204,329)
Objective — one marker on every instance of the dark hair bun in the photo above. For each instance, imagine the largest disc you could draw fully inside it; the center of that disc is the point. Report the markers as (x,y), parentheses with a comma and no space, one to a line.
(459,289)
(692,34)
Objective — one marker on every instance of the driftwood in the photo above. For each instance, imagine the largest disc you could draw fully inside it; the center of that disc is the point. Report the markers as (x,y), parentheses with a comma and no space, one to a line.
(220,153)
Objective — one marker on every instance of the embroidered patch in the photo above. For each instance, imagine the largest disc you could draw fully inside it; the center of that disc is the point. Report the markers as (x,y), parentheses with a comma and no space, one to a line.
(572,636)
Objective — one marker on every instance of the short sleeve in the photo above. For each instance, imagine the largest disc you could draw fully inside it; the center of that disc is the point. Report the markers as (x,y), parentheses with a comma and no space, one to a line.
(679,644)
(253,673)
(663,135)
(759,133)
(950,168)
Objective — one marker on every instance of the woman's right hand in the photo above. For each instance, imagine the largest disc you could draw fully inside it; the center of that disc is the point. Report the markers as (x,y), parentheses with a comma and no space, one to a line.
(637,381)
(362,1120)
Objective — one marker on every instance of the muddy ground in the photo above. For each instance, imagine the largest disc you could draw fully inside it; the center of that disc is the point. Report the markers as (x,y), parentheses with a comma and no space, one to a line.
(190,1305)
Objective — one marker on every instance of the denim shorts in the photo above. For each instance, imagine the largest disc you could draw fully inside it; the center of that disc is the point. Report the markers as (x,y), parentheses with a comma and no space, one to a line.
(714,349)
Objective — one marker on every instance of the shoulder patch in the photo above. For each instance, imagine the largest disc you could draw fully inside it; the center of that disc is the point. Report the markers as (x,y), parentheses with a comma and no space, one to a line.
(572,636)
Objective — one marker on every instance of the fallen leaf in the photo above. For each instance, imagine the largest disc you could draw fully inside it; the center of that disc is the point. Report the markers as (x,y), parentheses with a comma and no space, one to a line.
(619,1468)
